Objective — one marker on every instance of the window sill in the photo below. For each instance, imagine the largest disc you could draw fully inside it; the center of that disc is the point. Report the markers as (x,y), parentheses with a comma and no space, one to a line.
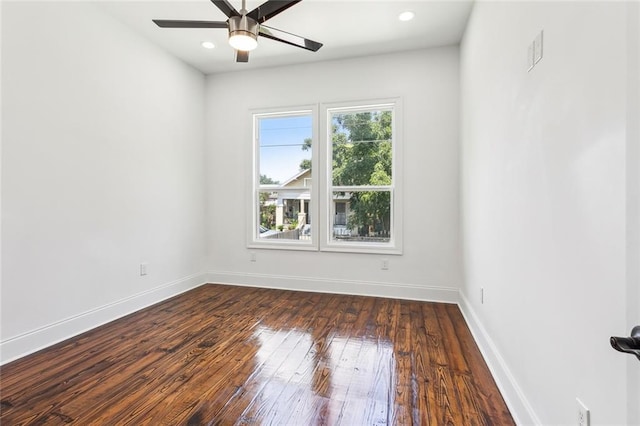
(282,246)
(363,249)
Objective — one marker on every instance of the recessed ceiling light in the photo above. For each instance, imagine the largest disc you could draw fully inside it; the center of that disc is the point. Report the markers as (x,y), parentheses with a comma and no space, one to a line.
(406,16)
(208,45)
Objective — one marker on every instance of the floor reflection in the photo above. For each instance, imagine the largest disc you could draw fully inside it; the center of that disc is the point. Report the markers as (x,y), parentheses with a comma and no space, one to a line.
(302,378)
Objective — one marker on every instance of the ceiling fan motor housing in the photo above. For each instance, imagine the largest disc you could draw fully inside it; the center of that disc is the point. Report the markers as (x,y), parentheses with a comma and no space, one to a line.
(243,25)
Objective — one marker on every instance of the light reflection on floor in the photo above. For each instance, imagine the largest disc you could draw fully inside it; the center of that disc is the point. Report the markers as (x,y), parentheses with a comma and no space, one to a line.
(300,378)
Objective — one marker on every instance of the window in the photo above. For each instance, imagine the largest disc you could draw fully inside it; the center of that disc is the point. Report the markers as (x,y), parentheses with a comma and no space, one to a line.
(336,192)
(361,183)
(283,179)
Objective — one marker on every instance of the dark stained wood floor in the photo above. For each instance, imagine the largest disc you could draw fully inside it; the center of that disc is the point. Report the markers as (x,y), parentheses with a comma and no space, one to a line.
(232,355)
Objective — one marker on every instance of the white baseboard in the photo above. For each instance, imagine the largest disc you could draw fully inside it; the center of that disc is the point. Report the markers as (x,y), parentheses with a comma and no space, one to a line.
(34,340)
(336,286)
(518,404)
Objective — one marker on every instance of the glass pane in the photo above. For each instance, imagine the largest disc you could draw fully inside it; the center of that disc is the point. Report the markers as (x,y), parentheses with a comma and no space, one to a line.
(361,153)
(285,149)
(361,216)
(284,214)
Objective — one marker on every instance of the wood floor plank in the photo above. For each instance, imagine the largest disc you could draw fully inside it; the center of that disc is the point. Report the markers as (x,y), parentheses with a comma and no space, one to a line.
(404,372)
(425,402)
(232,355)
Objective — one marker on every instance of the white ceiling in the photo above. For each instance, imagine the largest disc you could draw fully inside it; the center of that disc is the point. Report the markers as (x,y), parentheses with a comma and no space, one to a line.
(346,28)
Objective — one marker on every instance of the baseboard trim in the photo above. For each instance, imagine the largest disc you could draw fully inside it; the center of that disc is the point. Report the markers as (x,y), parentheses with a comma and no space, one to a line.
(337,286)
(518,404)
(35,340)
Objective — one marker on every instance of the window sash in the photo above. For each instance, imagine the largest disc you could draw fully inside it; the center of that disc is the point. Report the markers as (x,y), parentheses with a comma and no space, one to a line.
(373,245)
(254,237)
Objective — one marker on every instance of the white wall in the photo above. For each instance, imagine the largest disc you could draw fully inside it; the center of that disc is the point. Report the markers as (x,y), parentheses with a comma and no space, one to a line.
(427,81)
(1,173)
(633,201)
(544,201)
(102,139)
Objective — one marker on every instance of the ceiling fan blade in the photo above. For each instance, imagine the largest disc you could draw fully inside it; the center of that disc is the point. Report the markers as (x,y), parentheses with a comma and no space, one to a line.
(226,8)
(242,56)
(164,23)
(270,9)
(289,38)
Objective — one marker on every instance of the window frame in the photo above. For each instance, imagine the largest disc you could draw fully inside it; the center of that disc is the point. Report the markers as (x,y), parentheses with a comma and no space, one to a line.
(327,242)
(254,187)
(321,190)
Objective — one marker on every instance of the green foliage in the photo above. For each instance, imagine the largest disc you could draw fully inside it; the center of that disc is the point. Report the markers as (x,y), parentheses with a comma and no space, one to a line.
(306,163)
(267,213)
(266,180)
(362,156)
(370,212)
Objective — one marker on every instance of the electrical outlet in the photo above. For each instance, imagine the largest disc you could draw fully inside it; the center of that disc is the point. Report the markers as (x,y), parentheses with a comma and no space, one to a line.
(252,256)
(583,414)
(143,269)
(385,264)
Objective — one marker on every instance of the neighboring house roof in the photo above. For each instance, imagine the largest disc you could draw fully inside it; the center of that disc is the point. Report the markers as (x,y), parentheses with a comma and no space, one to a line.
(301,176)
(291,187)
(296,188)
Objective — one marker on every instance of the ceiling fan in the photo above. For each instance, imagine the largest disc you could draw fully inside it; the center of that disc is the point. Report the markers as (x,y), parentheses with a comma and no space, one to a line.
(244,27)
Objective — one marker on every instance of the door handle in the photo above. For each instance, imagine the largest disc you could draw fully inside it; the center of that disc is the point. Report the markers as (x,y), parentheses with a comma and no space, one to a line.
(629,345)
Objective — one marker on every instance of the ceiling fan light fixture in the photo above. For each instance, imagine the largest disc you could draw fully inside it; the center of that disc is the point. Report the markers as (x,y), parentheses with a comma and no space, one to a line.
(243,33)
(242,40)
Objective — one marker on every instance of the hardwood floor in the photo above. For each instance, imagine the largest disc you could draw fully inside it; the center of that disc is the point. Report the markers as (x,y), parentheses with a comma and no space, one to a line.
(232,355)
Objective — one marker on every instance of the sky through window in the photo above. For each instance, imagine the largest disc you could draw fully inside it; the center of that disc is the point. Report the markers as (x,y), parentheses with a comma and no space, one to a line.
(281,141)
